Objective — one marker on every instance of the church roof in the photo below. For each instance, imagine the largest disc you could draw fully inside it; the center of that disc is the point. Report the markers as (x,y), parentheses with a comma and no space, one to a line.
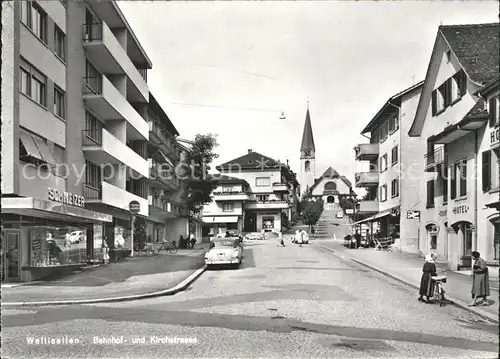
(331,173)
(307,135)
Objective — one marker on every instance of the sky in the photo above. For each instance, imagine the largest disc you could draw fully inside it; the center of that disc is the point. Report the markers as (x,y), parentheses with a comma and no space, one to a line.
(251,60)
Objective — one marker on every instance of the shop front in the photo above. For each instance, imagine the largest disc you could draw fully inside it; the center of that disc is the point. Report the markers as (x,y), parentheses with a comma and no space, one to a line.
(46,238)
(216,226)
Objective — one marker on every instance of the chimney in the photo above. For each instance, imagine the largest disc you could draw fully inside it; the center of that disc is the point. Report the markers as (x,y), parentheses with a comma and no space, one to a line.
(250,150)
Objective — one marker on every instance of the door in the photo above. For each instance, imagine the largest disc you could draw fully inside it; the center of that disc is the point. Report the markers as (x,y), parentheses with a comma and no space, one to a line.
(11,259)
(251,222)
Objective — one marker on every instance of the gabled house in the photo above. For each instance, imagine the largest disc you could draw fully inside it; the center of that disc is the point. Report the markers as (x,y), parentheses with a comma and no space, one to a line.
(270,189)
(330,187)
(454,123)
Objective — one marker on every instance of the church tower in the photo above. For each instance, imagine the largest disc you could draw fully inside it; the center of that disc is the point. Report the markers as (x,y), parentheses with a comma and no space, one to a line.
(307,156)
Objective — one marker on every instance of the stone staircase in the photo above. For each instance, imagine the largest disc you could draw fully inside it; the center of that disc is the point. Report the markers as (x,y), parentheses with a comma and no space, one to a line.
(328,225)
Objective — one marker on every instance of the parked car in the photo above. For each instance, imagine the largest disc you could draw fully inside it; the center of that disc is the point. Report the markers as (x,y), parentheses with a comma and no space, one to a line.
(77,237)
(224,251)
(253,236)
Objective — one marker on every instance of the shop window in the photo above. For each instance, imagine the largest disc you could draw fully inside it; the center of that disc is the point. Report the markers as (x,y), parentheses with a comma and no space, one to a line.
(267,223)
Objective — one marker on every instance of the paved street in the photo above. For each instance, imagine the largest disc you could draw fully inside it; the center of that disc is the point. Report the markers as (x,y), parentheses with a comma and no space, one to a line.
(283,302)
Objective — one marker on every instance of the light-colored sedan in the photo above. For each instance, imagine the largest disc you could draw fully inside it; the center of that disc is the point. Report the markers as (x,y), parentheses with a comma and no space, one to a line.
(253,236)
(224,251)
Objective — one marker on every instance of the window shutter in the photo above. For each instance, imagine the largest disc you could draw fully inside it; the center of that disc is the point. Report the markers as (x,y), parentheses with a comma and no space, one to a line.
(434,103)
(462,83)
(493,111)
(444,184)
(447,92)
(486,171)
(463,178)
(430,193)
(453,182)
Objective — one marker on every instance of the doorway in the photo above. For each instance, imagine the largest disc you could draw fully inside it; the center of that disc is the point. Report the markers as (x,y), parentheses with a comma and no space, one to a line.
(330,199)
(11,270)
(251,222)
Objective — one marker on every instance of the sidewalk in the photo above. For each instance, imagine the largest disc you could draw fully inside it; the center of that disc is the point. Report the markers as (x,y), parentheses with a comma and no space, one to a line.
(407,268)
(135,276)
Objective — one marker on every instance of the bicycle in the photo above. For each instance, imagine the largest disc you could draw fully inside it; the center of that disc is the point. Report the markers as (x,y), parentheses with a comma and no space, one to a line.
(168,247)
(438,287)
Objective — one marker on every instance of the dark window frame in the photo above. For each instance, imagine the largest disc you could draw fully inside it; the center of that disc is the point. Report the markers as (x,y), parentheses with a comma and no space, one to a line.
(430,193)
(35,76)
(486,167)
(395,188)
(59,43)
(59,108)
(29,9)
(394,155)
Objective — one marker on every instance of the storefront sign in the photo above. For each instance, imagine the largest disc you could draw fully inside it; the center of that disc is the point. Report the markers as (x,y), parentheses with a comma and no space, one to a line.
(413,215)
(66,198)
(461,209)
(443,213)
(349,211)
(495,136)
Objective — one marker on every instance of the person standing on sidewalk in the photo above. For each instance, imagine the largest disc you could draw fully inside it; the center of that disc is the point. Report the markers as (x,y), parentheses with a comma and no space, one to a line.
(426,284)
(480,280)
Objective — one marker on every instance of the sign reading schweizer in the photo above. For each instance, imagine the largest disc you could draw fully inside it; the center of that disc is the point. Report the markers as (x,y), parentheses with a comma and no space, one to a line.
(66,197)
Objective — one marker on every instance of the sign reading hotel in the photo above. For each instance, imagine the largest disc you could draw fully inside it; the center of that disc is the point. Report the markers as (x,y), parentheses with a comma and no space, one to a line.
(461,209)
(66,198)
(495,137)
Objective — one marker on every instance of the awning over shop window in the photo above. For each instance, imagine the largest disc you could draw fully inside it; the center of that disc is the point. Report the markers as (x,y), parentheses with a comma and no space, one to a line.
(233,219)
(377,216)
(208,219)
(29,145)
(44,150)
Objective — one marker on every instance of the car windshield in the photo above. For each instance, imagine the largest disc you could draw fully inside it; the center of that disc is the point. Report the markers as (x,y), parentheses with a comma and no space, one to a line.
(224,243)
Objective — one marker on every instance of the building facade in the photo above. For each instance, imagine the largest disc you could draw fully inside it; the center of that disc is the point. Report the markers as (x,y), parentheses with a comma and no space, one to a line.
(387,165)
(458,214)
(268,193)
(330,188)
(75,134)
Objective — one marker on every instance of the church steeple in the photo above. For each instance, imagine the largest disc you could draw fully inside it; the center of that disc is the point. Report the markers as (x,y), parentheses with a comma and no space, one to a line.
(307,148)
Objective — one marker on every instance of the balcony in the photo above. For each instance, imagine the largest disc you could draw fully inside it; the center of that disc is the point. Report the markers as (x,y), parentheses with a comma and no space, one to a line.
(272,204)
(436,160)
(160,139)
(280,187)
(103,49)
(231,196)
(163,174)
(106,193)
(367,179)
(102,98)
(160,208)
(367,151)
(101,147)
(366,207)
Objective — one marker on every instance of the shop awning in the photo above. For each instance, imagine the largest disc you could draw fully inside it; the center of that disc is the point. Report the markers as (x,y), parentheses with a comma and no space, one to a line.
(208,219)
(33,207)
(495,205)
(377,216)
(44,150)
(232,219)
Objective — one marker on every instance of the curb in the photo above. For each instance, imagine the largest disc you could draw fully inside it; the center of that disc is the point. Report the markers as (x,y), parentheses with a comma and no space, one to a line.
(170,291)
(455,301)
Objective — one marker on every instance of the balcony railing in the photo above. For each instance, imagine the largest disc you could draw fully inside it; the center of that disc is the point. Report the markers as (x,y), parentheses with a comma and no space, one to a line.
(232,193)
(159,203)
(92,31)
(436,158)
(92,191)
(92,137)
(92,85)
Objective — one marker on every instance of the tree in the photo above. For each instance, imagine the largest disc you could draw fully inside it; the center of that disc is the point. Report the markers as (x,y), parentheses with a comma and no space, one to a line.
(198,186)
(347,203)
(311,212)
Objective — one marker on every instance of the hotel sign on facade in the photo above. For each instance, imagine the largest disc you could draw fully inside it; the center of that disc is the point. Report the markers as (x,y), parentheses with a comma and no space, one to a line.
(495,137)
(66,198)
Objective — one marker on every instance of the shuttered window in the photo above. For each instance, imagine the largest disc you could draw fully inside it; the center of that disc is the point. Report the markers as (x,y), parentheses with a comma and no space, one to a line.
(463,178)
(486,173)
(453,182)
(430,193)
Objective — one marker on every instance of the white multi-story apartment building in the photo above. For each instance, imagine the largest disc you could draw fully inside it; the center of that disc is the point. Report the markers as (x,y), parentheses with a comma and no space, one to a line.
(267,193)
(387,176)
(75,132)
(460,181)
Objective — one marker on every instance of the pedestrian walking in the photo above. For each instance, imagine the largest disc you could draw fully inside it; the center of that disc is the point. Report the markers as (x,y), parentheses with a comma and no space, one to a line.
(192,240)
(480,280)
(426,284)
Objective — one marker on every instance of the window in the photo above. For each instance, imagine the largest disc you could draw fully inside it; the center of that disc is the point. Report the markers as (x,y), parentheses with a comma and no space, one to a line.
(486,162)
(32,83)
(59,102)
(384,131)
(267,222)
(383,193)
(228,207)
(430,193)
(93,129)
(93,79)
(394,155)
(60,43)
(448,56)
(374,137)
(34,18)
(307,166)
(383,163)
(395,187)
(494,110)
(455,89)
(263,181)
(444,186)
(263,198)
(393,124)
(25,82)
(437,102)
